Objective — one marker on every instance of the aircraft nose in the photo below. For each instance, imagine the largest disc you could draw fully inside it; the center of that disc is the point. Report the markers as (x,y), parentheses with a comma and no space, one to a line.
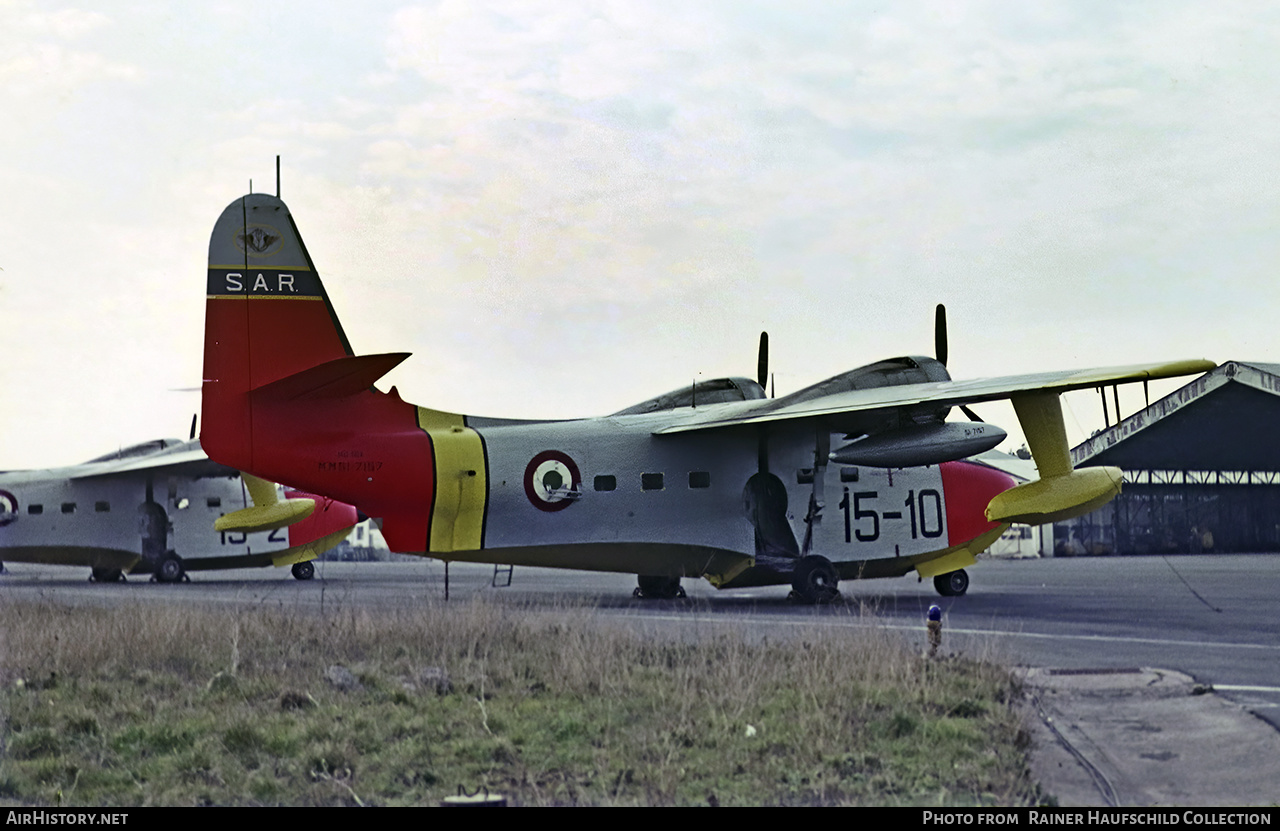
(967,489)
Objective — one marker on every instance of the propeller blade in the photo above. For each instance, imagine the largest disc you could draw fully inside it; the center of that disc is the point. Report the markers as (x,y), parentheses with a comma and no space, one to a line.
(194,416)
(940,334)
(762,364)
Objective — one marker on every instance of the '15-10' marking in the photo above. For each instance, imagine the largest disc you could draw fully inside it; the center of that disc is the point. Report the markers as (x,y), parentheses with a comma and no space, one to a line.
(925,509)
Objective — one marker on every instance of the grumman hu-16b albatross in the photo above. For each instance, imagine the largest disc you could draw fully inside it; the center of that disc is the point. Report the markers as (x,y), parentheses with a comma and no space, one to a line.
(163,508)
(858,476)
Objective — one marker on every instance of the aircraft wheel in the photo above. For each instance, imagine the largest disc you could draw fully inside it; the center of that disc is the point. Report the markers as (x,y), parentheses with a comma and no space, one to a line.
(952,584)
(170,569)
(304,571)
(658,588)
(815,580)
(106,575)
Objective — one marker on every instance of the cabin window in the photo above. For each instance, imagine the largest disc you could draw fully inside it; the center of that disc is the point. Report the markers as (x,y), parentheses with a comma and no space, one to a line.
(35,509)
(68,507)
(606,483)
(214,502)
(848,474)
(804,476)
(651,481)
(699,479)
(102,507)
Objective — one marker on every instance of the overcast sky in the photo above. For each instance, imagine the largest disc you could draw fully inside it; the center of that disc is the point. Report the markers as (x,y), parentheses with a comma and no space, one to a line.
(562,208)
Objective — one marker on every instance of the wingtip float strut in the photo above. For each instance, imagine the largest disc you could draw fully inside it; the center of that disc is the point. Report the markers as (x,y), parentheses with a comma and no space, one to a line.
(1060,493)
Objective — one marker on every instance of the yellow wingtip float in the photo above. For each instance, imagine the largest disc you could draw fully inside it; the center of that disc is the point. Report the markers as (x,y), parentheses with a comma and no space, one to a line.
(1056,498)
(268,513)
(1060,493)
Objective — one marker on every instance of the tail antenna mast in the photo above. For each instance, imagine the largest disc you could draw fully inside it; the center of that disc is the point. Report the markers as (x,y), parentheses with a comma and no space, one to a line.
(277,176)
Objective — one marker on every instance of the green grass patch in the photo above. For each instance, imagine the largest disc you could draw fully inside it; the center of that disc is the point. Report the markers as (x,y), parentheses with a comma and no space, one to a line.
(154,705)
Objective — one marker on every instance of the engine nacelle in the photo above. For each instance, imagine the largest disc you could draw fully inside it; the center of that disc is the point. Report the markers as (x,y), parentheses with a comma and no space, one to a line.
(893,372)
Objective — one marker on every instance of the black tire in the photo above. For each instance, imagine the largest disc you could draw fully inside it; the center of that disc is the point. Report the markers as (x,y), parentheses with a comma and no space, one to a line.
(106,575)
(304,571)
(170,569)
(815,580)
(658,588)
(952,584)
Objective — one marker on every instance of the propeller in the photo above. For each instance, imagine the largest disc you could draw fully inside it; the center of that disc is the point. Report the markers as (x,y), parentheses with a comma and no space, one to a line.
(762,363)
(763,377)
(940,334)
(940,349)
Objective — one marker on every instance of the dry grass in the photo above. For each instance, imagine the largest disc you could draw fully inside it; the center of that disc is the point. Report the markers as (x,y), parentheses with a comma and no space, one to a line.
(161,705)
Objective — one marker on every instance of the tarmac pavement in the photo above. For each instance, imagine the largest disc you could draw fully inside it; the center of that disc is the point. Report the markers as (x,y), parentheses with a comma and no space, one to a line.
(1147,737)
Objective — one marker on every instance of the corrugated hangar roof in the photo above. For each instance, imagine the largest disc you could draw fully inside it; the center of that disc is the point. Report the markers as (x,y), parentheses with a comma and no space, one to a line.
(1224,420)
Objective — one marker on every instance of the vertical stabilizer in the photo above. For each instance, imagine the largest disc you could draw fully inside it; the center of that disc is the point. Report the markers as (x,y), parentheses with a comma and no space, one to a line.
(267,316)
(286,400)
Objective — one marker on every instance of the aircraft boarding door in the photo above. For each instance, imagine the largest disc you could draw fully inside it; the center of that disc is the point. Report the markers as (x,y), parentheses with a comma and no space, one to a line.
(153,528)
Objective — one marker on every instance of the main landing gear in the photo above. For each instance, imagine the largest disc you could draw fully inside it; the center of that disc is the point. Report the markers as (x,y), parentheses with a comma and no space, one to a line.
(303,571)
(106,575)
(952,584)
(170,569)
(658,588)
(815,580)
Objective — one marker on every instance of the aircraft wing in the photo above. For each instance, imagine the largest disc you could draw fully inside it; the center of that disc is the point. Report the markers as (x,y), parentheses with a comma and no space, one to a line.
(936,394)
(1024,470)
(267,513)
(187,459)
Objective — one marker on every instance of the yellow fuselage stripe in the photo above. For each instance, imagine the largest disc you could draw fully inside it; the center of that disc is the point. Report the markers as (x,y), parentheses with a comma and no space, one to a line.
(461,487)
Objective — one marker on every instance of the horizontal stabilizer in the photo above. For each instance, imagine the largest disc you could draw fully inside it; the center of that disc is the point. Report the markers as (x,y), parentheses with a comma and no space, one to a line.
(332,379)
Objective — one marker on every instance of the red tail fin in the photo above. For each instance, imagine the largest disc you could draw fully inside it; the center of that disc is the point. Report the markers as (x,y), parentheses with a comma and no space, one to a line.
(266,317)
(284,396)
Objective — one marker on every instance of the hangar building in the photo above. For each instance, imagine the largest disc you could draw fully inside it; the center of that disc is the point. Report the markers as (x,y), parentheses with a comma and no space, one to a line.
(1202,471)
